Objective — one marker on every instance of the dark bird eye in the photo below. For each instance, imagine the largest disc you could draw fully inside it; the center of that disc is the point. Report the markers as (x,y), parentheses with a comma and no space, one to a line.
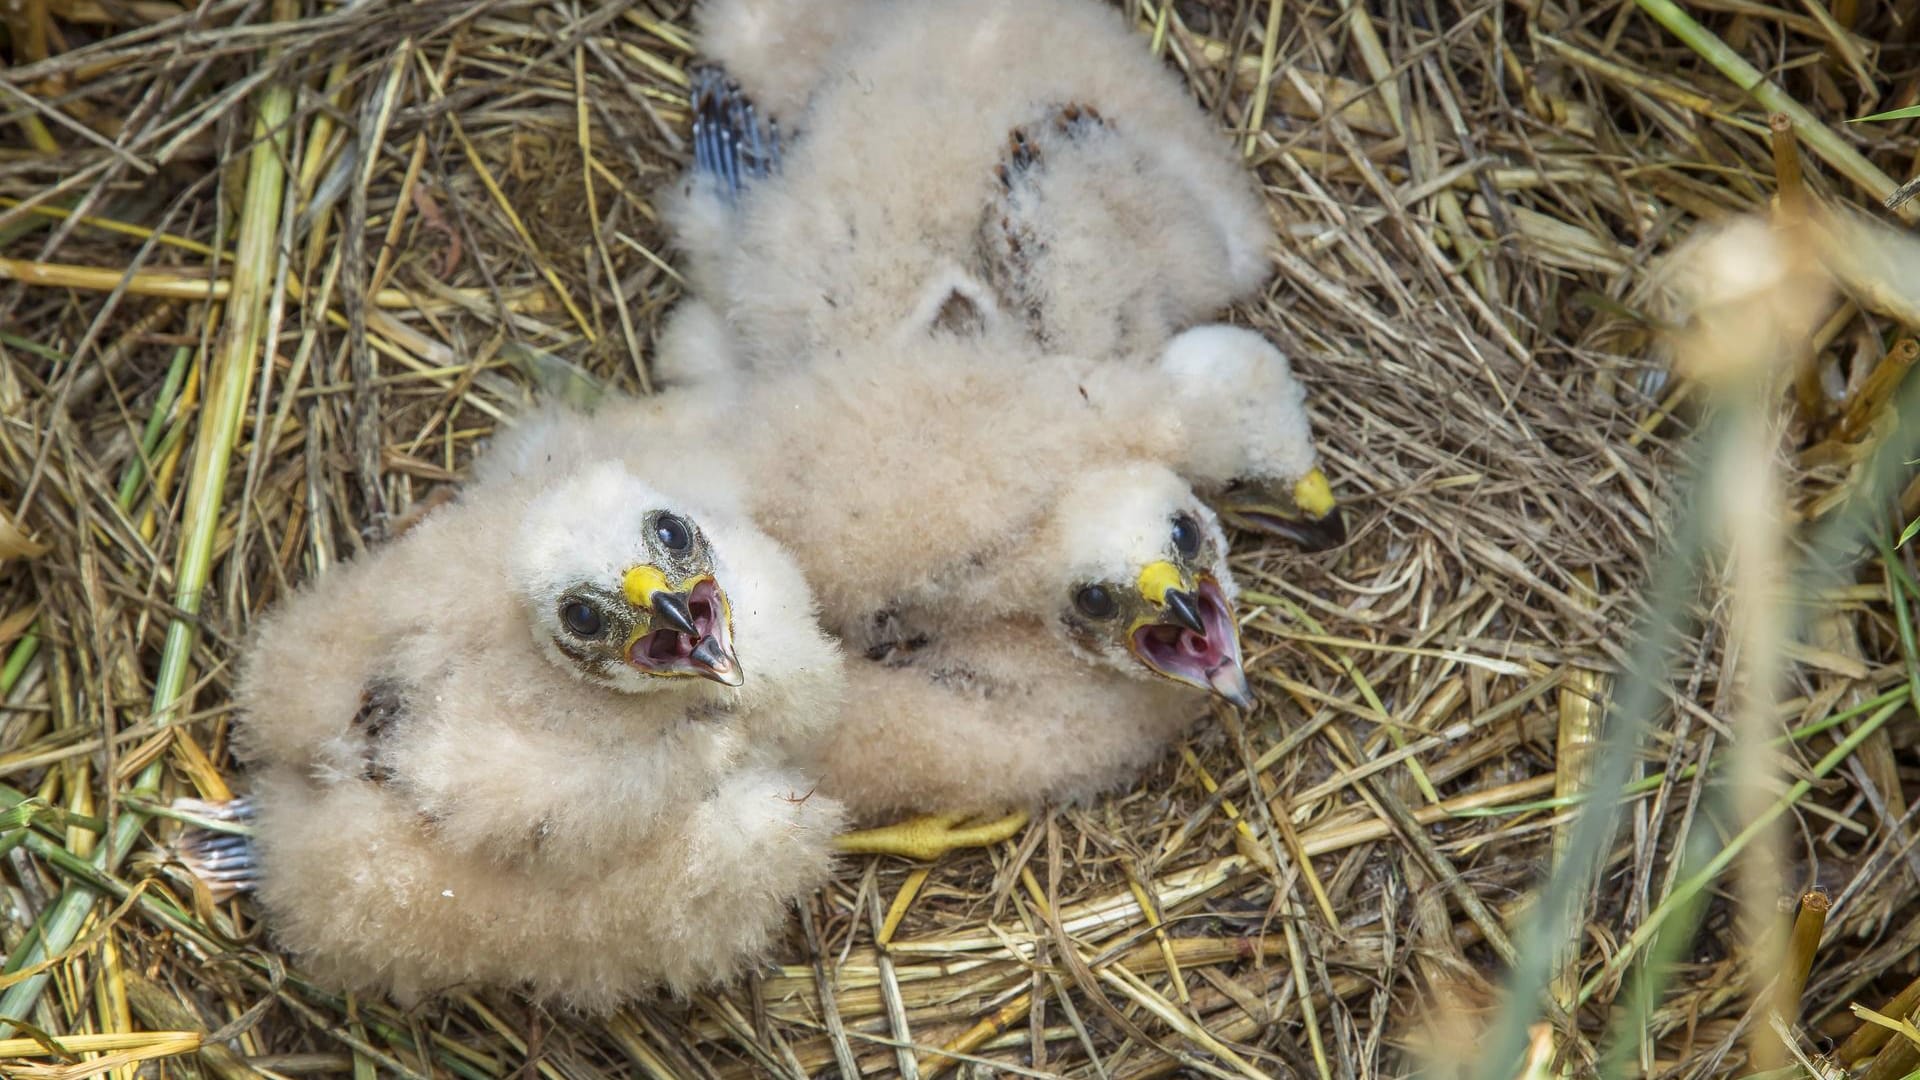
(1095,601)
(580,619)
(673,532)
(1186,536)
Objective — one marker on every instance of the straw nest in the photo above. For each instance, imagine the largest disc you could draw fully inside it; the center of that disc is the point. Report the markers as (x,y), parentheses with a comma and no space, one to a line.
(272,271)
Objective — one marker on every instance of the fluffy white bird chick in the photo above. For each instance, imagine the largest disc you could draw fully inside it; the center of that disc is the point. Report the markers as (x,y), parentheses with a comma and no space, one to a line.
(1094,650)
(535,742)
(1248,443)
(1107,217)
(1077,192)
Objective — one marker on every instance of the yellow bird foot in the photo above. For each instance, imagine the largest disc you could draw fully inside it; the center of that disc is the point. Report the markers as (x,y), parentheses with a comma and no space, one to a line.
(928,837)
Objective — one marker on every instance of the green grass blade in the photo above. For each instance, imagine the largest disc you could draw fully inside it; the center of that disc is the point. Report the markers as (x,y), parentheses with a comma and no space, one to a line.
(1638,699)
(1892,114)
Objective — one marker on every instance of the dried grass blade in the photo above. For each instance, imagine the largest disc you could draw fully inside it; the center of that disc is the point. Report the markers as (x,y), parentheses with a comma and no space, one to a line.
(231,374)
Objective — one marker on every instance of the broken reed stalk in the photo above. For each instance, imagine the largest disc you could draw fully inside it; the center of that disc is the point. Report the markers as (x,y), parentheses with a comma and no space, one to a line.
(1803,946)
(229,384)
(1790,188)
(1790,204)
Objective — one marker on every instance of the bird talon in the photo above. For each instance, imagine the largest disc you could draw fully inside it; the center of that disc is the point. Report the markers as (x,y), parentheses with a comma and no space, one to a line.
(930,836)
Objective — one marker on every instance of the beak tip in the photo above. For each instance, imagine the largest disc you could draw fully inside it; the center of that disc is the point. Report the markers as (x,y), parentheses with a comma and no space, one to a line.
(1232,685)
(1327,533)
(1308,534)
(715,661)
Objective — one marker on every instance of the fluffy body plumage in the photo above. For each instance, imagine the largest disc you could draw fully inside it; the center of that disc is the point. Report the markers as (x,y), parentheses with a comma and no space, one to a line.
(990,717)
(942,148)
(444,799)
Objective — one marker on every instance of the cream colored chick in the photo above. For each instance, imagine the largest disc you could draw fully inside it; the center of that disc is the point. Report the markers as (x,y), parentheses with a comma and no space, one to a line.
(957,175)
(536,742)
(958,146)
(1100,645)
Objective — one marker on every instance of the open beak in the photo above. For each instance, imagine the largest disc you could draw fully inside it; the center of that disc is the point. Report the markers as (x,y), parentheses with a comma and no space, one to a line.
(692,628)
(1304,513)
(1196,640)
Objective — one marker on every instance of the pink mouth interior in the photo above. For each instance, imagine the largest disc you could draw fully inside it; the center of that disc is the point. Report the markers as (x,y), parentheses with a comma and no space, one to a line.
(668,648)
(1177,651)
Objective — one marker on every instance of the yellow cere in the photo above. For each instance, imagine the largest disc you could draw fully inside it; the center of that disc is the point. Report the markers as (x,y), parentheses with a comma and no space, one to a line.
(1158,579)
(1314,495)
(641,583)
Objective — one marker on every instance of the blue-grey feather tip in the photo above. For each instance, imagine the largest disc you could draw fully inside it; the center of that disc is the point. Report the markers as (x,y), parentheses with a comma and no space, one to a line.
(730,142)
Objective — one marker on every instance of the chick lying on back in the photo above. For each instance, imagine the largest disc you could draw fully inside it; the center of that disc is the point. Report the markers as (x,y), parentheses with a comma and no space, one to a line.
(536,742)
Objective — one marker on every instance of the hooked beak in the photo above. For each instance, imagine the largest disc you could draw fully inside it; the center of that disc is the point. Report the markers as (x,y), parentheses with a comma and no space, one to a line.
(1183,610)
(1196,642)
(693,627)
(1305,513)
(671,608)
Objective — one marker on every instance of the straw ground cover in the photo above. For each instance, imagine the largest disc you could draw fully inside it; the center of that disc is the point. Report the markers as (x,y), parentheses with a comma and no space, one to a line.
(270,272)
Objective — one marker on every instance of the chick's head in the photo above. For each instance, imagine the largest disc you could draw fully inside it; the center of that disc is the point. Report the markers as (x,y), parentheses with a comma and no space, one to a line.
(1249,439)
(620,584)
(1144,585)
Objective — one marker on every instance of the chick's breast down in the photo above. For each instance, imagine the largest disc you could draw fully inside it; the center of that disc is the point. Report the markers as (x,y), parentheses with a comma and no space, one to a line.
(439,805)
(993,717)
(1122,218)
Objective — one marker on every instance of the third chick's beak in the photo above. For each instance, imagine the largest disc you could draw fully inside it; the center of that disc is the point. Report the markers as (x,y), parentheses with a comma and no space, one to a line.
(1195,640)
(691,630)
(1304,513)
